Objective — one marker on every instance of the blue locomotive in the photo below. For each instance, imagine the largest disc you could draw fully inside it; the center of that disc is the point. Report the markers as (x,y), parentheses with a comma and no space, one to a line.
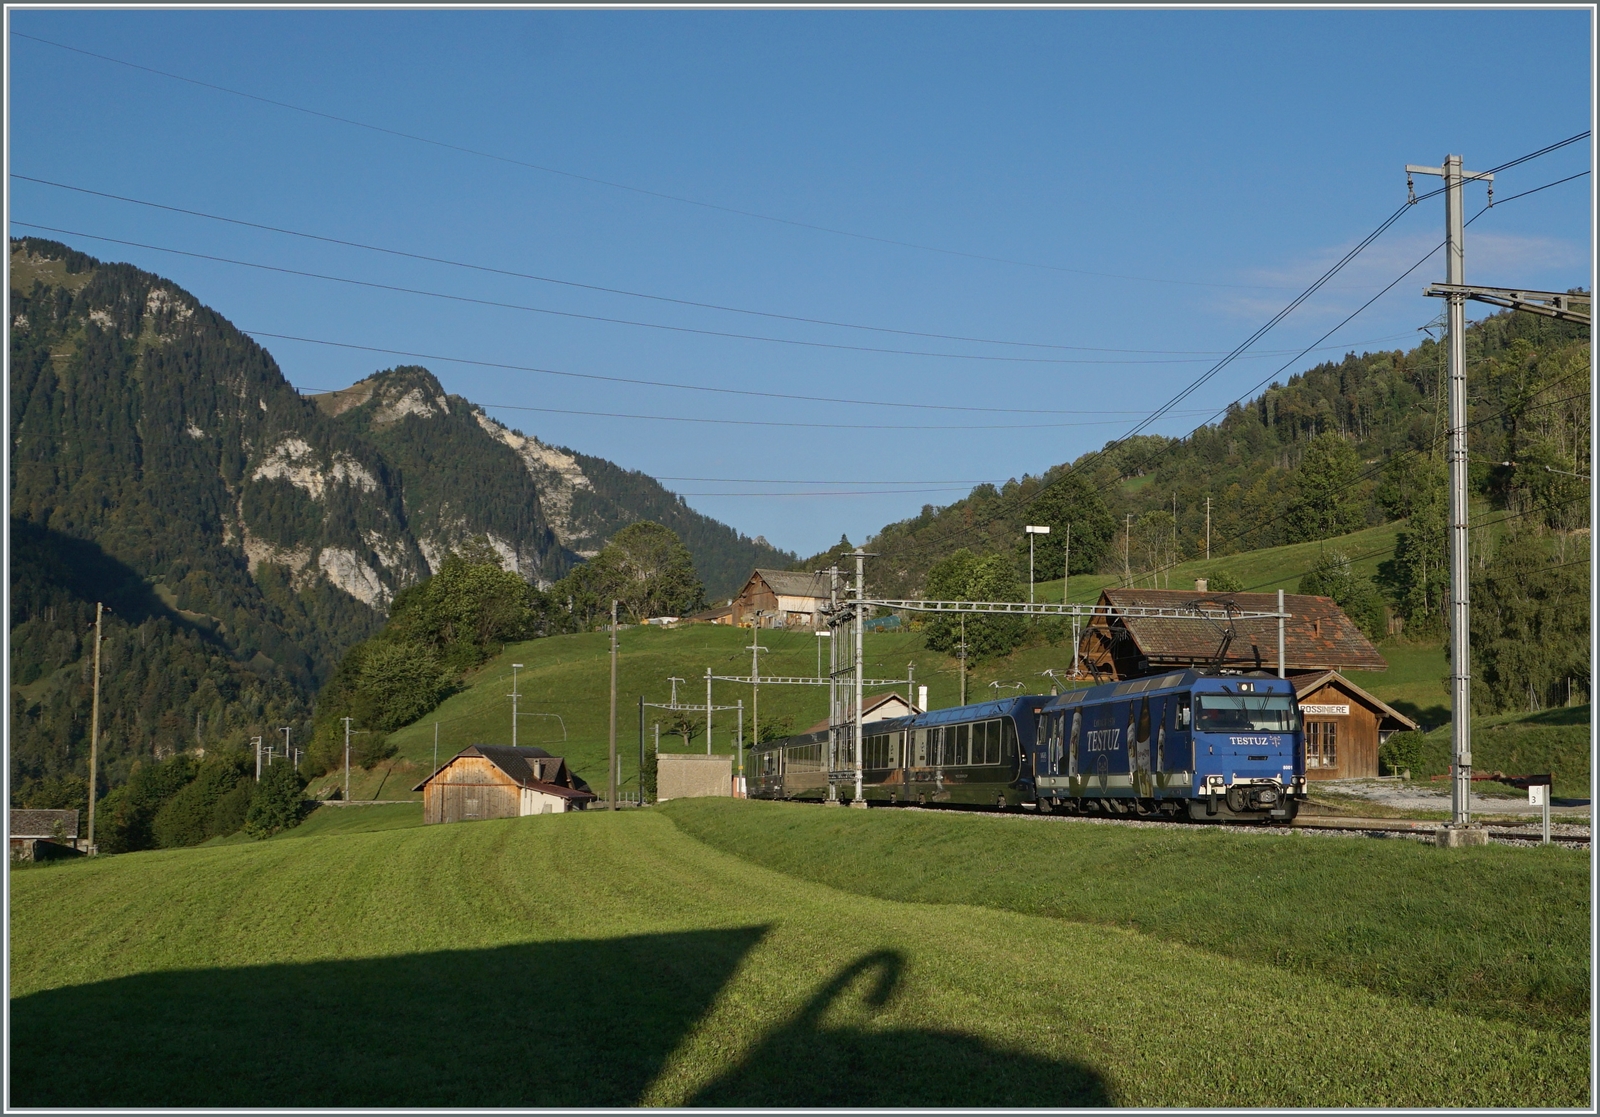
(1189,743)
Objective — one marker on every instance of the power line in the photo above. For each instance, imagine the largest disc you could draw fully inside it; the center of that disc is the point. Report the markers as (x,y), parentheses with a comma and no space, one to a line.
(679,385)
(1095,456)
(624,186)
(397,289)
(600,288)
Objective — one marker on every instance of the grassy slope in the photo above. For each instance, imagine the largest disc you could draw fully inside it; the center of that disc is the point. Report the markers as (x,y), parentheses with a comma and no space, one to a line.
(599,959)
(569,676)
(1499,933)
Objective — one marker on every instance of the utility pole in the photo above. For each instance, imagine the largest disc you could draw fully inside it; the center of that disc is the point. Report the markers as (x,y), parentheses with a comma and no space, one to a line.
(755,649)
(641,750)
(256,741)
(287,755)
(611,766)
(1208,529)
(835,715)
(1455,179)
(94,722)
(860,625)
(515,667)
(435,748)
(1127,542)
(961,661)
(1281,616)
(1032,530)
(739,741)
(1066,565)
(347,758)
(708,711)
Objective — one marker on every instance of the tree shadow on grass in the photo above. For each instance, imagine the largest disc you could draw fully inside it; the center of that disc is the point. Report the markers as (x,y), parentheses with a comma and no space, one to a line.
(810,1063)
(585,1023)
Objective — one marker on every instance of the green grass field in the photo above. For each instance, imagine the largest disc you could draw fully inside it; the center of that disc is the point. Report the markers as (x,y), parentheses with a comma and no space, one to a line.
(614,959)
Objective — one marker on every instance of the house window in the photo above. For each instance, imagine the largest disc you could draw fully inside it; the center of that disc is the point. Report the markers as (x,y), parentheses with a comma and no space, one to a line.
(1322,744)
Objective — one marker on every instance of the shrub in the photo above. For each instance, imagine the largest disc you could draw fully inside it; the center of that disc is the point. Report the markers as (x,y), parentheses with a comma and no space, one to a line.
(1402,752)
(1220,581)
(279,802)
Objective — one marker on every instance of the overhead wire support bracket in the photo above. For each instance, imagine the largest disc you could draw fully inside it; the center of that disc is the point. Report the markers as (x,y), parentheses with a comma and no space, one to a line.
(1551,304)
(1057,609)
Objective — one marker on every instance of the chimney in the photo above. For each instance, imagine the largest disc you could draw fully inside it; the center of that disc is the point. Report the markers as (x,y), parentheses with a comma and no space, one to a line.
(922,698)
(1200,585)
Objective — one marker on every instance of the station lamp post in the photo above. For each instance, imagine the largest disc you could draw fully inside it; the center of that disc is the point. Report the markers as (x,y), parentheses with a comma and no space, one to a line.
(1032,530)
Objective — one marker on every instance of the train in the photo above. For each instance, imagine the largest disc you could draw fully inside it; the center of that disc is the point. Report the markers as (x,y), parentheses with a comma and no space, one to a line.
(1193,744)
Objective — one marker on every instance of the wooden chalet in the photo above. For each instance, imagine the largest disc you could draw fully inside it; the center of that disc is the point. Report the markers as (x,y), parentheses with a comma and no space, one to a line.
(501,781)
(782,598)
(1344,725)
(1317,636)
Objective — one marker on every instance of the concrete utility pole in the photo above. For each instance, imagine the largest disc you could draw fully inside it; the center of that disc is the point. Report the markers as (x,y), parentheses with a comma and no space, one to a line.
(515,667)
(94,722)
(1066,564)
(738,738)
(1208,529)
(1281,616)
(1127,543)
(1032,530)
(611,766)
(347,758)
(755,649)
(1455,178)
(860,622)
(961,661)
(287,755)
(708,711)
(835,715)
(256,741)
(641,750)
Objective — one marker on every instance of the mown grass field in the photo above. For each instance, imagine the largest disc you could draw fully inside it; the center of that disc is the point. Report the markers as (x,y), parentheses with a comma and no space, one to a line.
(614,959)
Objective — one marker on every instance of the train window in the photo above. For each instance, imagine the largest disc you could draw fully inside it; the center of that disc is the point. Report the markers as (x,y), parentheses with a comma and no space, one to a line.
(1008,739)
(1180,713)
(959,747)
(1223,713)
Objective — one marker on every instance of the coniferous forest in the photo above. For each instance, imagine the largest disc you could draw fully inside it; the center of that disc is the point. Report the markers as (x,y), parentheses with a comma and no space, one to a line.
(245,538)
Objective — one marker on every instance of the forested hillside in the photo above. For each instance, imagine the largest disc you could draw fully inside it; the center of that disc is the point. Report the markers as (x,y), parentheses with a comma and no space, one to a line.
(245,536)
(1344,444)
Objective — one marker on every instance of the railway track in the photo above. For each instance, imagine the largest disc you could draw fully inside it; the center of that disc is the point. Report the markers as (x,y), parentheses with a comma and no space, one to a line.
(1570,835)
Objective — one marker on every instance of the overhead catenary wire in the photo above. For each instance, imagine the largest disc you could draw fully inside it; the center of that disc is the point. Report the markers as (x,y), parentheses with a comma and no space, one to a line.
(602,318)
(1094,457)
(640,190)
(602,289)
(677,385)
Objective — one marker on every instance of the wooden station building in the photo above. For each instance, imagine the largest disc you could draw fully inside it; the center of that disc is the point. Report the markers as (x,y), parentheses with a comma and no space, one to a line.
(501,781)
(1344,725)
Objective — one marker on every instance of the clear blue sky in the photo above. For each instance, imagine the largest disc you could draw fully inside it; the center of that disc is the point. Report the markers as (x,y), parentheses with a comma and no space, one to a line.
(1160,183)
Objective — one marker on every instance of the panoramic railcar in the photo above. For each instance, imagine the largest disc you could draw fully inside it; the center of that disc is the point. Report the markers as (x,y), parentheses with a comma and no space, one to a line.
(1205,745)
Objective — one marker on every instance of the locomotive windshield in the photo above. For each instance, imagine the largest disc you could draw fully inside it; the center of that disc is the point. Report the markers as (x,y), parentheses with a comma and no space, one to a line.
(1250,713)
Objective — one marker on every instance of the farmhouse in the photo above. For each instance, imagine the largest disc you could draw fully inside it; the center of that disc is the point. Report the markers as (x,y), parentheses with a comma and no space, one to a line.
(1317,636)
(780,599)
(39,835)
(1344,725)
(501,781)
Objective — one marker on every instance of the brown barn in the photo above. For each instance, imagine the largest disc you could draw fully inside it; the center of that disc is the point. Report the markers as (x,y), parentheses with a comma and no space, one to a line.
(1344,725)
(39,835)
(500,781)
(782,598)
(1317,636)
